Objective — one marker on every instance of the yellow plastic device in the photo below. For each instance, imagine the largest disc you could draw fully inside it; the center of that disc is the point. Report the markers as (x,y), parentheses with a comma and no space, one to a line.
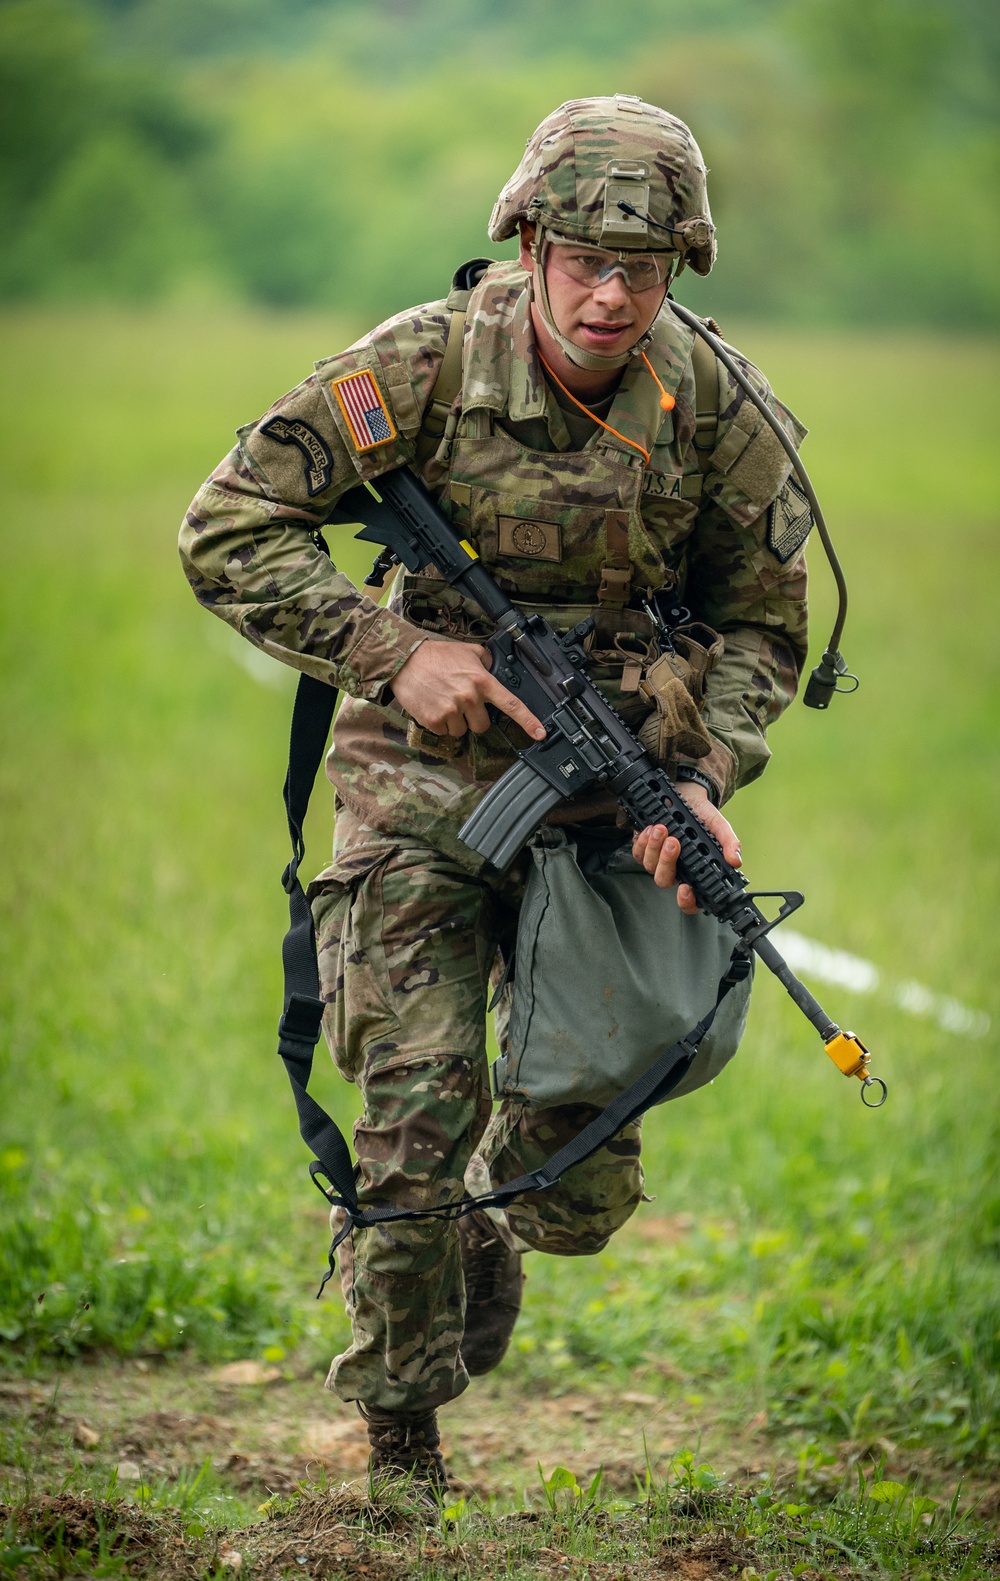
(850,1056)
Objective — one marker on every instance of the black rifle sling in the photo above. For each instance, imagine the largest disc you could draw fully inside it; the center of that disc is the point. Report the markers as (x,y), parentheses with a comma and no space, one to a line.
(301,1022)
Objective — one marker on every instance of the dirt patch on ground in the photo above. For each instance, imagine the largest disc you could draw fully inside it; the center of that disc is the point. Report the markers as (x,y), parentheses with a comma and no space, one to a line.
(339,1536)
(278,1435)
(321,1536)
(283,1465)
(347,1534)
(341,1533)
(275,1435)
(68,1530)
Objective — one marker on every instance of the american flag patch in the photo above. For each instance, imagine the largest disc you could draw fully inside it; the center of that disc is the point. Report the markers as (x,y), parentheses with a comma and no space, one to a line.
(365,412)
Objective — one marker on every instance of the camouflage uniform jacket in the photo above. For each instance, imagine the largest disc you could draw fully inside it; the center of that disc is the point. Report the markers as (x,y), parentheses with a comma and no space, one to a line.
(549,520)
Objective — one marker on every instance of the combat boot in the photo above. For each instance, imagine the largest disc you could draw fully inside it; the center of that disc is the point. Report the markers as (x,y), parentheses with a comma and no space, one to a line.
(406,1444)
(493,1282)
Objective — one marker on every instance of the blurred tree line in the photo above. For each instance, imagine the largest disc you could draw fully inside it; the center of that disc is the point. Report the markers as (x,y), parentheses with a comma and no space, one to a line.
(347,152)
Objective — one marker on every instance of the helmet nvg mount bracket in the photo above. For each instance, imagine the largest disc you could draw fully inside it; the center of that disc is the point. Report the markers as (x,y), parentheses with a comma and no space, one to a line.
(625,183)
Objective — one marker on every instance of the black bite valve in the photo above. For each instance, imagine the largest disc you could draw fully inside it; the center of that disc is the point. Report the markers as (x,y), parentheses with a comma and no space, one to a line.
(823,682)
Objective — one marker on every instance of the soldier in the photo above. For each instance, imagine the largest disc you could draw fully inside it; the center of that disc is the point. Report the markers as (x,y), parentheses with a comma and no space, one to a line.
(577,433)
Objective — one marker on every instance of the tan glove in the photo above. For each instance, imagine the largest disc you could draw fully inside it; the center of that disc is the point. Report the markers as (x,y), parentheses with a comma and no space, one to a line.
(675,727)
(675,685)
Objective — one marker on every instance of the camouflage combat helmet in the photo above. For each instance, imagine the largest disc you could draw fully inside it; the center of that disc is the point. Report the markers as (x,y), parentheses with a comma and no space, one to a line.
(584,159)
(587,155)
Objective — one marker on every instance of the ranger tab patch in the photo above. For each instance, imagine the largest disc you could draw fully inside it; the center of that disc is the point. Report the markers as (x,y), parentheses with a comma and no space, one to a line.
(365,412)
(319,461)
(789,521)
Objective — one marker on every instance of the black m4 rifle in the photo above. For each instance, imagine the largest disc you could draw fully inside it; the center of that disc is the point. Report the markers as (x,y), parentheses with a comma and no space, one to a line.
(586,745)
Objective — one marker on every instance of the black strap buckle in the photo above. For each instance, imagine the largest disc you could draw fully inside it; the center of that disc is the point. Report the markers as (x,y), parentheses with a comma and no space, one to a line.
(301,1022)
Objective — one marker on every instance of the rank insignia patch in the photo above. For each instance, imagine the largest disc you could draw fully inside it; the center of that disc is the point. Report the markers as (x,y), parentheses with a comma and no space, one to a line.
(319,461)
(789,522)
(365,412)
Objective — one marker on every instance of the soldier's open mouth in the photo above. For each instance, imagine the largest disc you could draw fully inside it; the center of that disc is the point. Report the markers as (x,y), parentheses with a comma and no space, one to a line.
(605,331)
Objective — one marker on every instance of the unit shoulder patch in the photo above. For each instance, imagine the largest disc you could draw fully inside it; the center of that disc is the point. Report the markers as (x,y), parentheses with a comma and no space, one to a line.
(316,452)
(364,411)
(789,521)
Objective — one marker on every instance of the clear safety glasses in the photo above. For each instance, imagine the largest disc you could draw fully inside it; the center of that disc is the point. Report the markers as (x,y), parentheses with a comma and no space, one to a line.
(591,266)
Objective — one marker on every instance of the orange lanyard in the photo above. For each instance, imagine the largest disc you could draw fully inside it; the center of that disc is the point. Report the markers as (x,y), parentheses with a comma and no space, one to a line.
(666,401)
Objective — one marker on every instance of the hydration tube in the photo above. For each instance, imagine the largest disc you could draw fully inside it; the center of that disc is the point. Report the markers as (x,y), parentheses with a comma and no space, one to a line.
(825,679)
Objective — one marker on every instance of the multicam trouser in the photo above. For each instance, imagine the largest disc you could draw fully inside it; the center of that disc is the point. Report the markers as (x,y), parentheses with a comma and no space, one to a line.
(407,940)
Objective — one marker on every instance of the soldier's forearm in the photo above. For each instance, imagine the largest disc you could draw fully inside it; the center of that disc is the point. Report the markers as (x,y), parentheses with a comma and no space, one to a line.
(259,568)
(748,690)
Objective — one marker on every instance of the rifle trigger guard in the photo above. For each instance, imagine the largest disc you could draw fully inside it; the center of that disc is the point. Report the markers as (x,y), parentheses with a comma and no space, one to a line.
(791,900)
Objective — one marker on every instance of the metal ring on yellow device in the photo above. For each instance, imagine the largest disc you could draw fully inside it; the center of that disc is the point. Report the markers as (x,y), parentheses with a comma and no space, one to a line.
(874,1081)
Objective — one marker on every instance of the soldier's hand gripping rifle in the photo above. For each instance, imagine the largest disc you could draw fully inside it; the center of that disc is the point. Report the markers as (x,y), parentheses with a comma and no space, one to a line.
(586,744)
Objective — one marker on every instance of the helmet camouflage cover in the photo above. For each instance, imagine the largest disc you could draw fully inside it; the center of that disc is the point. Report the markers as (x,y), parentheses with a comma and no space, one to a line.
(589,154)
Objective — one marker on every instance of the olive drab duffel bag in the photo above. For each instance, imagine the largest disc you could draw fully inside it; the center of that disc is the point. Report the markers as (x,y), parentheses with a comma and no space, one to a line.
(607,973)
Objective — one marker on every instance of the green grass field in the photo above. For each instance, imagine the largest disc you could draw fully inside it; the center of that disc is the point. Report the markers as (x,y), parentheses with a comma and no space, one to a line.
(827,1273)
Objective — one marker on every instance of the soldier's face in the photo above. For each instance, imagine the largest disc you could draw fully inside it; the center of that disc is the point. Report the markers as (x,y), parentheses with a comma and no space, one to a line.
(607,317)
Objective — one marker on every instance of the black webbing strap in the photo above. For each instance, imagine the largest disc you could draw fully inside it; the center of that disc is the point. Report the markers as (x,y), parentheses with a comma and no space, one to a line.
(301,1020)
(655,1084)
(300,1024)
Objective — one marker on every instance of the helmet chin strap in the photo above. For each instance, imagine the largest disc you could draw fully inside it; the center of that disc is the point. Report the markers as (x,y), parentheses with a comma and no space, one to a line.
(592,361)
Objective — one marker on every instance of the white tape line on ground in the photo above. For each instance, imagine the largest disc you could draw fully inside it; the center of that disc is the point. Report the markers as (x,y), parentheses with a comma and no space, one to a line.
(813,959)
